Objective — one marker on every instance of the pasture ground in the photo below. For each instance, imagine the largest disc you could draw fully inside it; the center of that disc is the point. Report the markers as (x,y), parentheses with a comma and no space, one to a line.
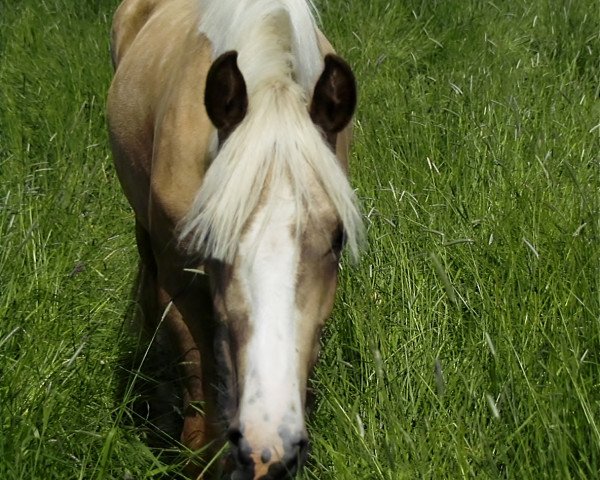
(466,343)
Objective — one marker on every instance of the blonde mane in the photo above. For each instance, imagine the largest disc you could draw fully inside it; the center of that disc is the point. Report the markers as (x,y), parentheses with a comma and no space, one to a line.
(277,143)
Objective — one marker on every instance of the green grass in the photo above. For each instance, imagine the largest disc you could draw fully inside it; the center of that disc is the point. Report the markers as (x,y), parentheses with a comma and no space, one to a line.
(466,344)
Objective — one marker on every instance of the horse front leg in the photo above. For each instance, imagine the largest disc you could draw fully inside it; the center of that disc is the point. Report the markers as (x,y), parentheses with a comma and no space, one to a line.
(187,316)
(154,380)
(177,318)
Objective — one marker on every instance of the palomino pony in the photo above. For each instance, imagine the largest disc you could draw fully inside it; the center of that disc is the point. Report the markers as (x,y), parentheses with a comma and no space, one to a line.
(229,124)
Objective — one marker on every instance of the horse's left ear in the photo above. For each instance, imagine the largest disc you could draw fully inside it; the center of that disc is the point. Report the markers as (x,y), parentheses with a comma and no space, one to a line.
(225,96)
(334,98)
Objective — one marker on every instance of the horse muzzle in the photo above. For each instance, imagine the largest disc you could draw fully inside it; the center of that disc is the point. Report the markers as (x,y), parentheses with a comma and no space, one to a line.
(267,463)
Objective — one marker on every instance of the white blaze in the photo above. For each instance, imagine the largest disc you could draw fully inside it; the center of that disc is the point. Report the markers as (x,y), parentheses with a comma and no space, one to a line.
(271,406)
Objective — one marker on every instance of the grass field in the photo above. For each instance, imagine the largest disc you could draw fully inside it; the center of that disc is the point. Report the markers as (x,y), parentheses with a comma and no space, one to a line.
(466,343)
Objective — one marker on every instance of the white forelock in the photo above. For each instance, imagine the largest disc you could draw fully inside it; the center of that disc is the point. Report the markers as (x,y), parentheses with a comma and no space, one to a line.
(240,25)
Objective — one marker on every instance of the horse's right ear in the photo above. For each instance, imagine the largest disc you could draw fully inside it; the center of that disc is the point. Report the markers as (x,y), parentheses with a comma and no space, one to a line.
(225,96)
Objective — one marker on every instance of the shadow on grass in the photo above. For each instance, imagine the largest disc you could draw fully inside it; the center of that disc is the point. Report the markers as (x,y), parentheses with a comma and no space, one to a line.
(148,397)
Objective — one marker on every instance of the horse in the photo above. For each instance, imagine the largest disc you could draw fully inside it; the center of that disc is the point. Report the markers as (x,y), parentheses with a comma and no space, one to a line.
(230,124)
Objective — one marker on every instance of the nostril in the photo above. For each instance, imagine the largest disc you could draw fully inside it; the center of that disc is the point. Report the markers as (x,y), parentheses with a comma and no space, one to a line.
(302,444)
(297,456)
(234,435)
(301,447)
(241,448)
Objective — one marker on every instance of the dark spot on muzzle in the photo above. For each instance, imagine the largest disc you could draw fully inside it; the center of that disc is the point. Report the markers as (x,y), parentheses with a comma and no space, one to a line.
(290,464)
(265,456)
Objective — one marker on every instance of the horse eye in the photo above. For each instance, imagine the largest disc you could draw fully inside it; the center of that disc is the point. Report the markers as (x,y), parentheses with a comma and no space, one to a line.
(339,240)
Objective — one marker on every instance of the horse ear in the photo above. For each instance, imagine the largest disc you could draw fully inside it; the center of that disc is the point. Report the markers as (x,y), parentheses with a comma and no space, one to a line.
(225,96)
(334,98)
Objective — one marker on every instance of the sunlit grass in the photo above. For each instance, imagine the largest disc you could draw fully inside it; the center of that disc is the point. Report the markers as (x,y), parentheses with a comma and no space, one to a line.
(465,344)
